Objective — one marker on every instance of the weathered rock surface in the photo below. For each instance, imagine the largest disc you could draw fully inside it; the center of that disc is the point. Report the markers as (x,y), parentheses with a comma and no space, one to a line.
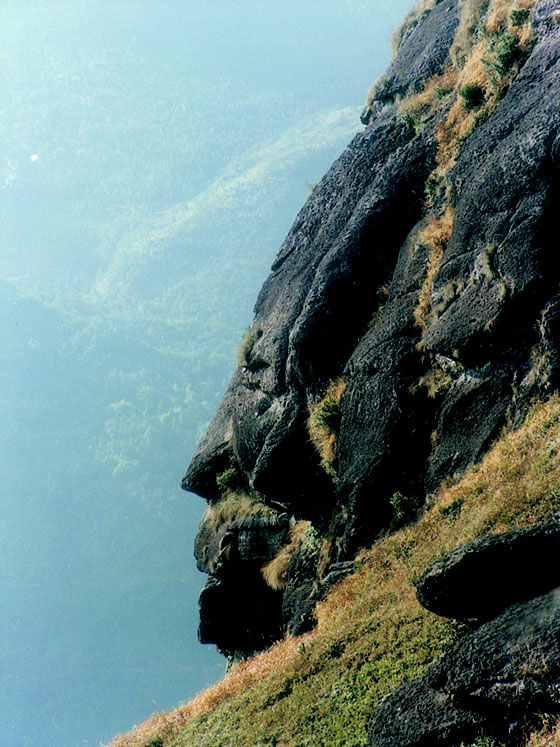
(238,611)
(424,50)
(478,580)
(342,300)
(498,681)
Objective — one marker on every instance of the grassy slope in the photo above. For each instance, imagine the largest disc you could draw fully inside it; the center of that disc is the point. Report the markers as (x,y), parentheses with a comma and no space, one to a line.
(372,634)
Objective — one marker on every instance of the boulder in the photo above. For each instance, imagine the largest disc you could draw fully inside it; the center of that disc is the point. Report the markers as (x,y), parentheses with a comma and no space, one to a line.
(478,580)
(498,681)
(239,612)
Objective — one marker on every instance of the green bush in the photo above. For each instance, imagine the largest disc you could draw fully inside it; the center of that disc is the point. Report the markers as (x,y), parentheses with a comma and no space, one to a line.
(328,415)
(506,53)
(481,742)
(413,120)
(442,92)
(431,186)
(399,506)
(311,545)
(472,95)
(518,16)
(229,479)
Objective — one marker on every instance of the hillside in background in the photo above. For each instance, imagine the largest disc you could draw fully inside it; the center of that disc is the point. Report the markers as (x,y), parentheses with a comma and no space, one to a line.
(381,535)
(149,172)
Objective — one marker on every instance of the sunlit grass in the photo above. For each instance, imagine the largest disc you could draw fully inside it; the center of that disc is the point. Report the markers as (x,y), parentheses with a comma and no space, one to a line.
(548,737)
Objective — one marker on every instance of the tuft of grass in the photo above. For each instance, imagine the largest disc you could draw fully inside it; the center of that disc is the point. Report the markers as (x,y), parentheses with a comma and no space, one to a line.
(435,382)
(431,187)
(274,573)
(468,32)
(245,348)
(230,479)
(434,235)
(415,109)
(372,635)
(232,506)
(323,425)
(400,507)
(549,736)
(413,120)
(452,510)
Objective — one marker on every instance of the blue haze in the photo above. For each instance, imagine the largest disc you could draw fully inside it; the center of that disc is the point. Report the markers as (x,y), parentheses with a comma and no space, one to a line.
(154,155)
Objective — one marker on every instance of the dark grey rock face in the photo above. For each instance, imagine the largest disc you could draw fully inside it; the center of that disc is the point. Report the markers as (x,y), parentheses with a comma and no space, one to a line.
(497,681)
(478,580)
(238,611)
(240,614)
(341,300)
(423,52)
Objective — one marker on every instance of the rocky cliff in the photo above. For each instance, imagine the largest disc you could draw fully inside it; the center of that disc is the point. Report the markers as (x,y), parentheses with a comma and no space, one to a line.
(411,313)
(411,317)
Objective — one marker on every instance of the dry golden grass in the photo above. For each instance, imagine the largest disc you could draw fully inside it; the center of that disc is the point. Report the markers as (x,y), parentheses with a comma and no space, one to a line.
(432,94)
(499,11)
(465,36)
(516,484)
(275,572)
(434,236)
(545,738)
(323,438)
(435,381)
(231,506)
(477,70)
(460,121)
(241,676)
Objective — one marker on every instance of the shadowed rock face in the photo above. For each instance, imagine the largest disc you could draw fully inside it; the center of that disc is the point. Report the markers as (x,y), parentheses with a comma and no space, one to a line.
(342,301)
(478,580)
(238,611)
(497,681)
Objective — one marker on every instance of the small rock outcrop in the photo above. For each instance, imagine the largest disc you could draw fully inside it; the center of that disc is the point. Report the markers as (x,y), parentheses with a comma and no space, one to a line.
(425,38)
(478,580)
(239,612)
(499,681)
